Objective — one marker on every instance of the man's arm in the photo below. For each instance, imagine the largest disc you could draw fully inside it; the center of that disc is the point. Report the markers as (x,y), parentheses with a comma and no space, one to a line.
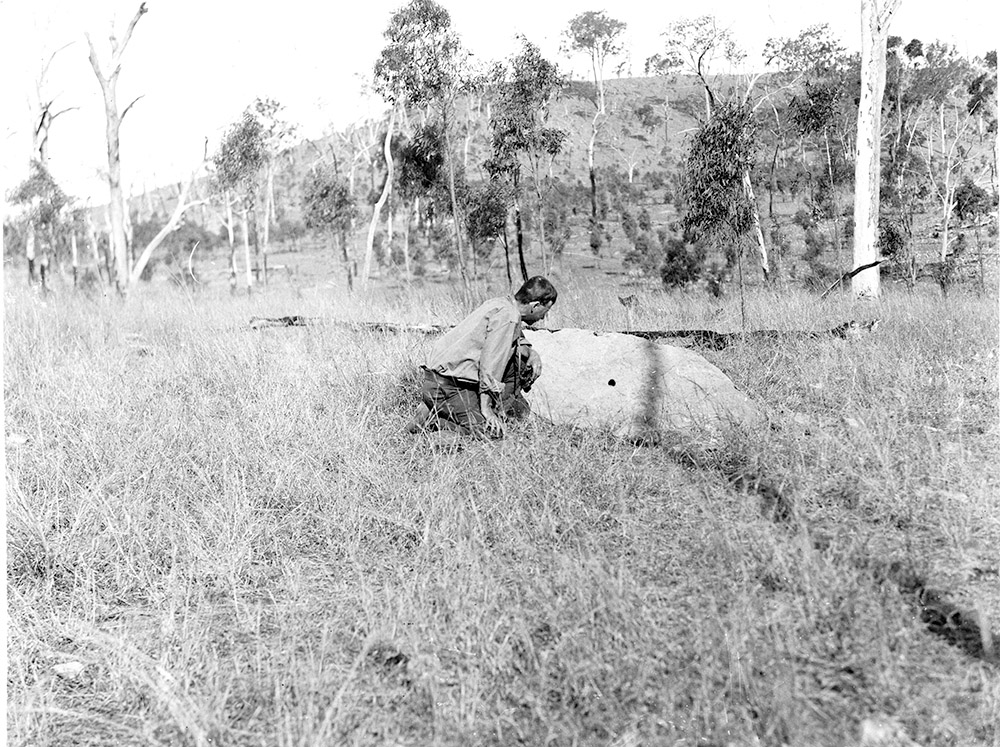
(497,348)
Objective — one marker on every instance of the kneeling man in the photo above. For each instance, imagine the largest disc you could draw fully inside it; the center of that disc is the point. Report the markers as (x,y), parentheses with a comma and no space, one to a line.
(474,375)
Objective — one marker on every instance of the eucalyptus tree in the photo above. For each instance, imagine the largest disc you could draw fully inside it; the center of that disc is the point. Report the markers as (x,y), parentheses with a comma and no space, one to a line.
(721,153)
(421,169)
(598,36)
(523,91)
(237,163)
(277,135)
(327,206)
(817,77)
(420,65)
(486,220)
(695,46)
(43,202)
(43,115)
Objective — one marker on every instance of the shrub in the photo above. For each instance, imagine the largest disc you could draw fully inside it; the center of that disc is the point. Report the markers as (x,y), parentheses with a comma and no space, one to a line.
(629,227)
(647,254)
(804,219)
(971,200)
(816,242)
(683,260)
(891,240)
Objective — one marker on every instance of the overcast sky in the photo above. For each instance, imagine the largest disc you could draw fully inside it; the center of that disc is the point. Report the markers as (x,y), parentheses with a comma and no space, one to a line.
(199,63)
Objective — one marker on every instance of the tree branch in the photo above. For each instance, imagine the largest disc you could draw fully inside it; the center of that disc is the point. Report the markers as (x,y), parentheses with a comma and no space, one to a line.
(122,117)
(120,50)
(94,63)
(175,218)
(45,68)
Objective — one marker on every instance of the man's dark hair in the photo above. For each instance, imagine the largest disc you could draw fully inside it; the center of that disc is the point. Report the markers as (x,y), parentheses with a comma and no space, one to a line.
(537,289)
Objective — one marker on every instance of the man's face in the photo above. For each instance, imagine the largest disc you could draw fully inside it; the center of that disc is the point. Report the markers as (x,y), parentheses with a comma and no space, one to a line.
(536,311)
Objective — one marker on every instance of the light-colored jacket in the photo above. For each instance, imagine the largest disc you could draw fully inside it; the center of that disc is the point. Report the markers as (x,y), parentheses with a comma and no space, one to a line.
(478,348)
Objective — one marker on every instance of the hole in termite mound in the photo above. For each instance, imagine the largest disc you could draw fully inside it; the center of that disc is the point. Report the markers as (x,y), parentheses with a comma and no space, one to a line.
(959,627)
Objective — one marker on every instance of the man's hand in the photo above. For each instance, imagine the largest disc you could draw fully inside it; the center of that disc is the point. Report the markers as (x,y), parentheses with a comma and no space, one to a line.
(494,426)
(535,364)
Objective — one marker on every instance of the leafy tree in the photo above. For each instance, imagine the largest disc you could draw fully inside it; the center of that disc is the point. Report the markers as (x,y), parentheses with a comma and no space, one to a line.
(238,162)
(421,64)
(524,90)
(277,135)
(598,36)
(683,259)
(327,206)
(44,201)
(697,44)
(722,152)
(971,200)
(421,170)
(486,218)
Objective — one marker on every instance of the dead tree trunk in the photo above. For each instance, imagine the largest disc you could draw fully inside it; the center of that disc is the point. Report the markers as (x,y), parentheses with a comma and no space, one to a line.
(108,84)
(875,17)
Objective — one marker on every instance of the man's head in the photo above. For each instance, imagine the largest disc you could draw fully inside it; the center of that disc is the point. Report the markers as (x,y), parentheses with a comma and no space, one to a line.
(535,298)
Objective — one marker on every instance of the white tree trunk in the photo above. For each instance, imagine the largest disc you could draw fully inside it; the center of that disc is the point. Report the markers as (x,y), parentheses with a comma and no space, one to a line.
(867,167)
(370,244)
(246,248)
(29,251)
(755,216)
(406,243)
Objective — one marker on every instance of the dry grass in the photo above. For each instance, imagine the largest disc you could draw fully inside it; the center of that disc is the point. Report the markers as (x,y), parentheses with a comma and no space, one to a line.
(230,531)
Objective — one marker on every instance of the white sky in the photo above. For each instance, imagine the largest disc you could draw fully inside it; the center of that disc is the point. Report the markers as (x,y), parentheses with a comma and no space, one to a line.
(199,63)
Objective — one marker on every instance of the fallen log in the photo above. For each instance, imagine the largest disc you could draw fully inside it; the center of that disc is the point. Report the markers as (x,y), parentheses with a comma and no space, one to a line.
(297,320)
(715,340)
(707,338)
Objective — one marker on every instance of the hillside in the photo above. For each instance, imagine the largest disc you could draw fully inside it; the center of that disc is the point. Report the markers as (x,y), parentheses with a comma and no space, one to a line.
(639,152)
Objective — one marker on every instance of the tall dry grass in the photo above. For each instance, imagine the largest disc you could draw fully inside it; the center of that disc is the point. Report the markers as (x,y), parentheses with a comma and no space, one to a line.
(233,535)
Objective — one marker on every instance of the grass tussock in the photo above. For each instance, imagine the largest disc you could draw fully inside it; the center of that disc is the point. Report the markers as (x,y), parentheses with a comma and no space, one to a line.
(231,533)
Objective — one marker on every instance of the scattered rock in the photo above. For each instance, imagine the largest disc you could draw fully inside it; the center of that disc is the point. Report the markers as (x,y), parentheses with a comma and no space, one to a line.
(637,388)
(69,670)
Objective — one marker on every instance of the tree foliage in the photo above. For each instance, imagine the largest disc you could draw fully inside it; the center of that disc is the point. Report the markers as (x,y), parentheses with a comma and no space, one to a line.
(597,35)
(241,156)
(523,91)
(420,63)
(327,204)
(42,197)
(721,152)
(486,212)
(971,200)
(421,161)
